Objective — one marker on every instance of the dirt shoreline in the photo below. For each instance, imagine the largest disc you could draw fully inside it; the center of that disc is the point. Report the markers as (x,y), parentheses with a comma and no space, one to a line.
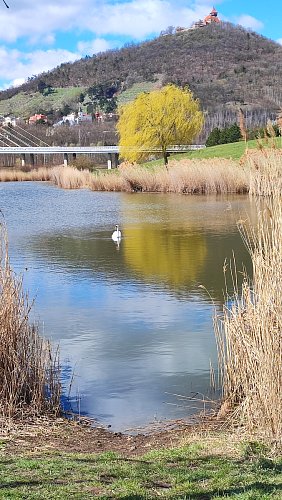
(66,436)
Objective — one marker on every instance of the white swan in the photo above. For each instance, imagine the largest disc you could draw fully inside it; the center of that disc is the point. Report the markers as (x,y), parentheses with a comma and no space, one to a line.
(116,236)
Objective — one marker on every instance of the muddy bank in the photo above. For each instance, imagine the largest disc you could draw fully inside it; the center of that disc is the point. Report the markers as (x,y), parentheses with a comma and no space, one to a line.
(43,435)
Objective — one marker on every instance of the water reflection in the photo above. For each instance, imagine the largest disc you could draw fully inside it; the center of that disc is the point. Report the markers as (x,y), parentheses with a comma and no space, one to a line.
(172,255)
(165,243)
(131,320)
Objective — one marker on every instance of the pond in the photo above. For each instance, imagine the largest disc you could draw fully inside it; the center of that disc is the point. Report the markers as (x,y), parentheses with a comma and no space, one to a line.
(134,322)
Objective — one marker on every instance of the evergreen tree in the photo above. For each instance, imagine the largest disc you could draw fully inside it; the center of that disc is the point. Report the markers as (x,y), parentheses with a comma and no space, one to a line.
(214,137)
(234,133)
(224,136)
(41,86)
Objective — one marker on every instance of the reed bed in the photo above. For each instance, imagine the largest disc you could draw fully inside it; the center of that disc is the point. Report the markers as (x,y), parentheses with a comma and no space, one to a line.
(29,369)
(70,177)
(266,172)
(40,174)
(249,335)
(110,182)
(216,176)
(185,176)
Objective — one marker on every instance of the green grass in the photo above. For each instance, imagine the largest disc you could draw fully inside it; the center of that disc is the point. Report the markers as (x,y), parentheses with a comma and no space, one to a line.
(184,473)
(25,104)
(136,89)
(234,150)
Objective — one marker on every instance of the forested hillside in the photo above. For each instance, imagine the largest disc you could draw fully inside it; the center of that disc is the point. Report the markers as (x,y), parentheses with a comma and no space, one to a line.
(224,65)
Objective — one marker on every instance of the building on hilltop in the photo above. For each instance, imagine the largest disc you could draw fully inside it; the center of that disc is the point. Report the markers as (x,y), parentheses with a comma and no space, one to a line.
(198,24)
(180,29)
(212,17)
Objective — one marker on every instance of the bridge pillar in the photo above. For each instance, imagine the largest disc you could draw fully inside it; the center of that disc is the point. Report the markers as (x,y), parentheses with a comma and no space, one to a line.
(109,161)
(74,157)
(23,159)
(32,159)
(116,158)
(65,159)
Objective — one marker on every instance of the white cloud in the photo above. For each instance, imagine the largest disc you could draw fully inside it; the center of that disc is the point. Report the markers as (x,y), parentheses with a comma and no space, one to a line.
(36,20)
(136,18)
(95,46)
(250,22)
(49,39)
(279,41)
(18,81)
(16,66)
(139,18)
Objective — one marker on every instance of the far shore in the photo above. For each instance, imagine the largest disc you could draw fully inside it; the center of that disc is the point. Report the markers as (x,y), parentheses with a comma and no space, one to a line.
(209,176)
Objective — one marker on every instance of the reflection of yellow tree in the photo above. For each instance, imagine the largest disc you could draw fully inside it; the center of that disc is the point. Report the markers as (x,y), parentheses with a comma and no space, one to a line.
(171,255)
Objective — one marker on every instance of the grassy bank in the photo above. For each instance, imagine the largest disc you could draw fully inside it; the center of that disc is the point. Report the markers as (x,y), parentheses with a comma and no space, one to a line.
(232,151)
(201,467)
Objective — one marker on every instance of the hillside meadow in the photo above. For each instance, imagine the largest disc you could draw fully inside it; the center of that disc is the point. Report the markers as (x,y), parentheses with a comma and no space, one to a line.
(25,104)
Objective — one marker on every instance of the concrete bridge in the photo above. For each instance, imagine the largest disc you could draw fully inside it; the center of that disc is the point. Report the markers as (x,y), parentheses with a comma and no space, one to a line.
(67,152)
(19,141)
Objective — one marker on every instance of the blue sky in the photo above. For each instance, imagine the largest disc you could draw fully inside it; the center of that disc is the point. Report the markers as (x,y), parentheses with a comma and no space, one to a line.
(36,36)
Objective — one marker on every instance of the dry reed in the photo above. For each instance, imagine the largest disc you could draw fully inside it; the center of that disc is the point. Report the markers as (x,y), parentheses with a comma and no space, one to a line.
(249,334)
(70,177)
(279,121)
(29,370)
(185,176)
(265,172)
(12,175)
(242,126)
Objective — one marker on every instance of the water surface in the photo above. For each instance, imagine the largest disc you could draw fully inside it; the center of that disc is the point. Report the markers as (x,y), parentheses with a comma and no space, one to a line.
(134,322)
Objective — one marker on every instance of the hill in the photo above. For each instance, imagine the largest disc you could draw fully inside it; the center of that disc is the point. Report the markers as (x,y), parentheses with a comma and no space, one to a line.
(226,66)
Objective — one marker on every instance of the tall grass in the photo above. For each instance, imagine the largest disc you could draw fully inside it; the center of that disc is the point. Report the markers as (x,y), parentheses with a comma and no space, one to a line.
(266,172)
(250,332)
(186,176)
(70,177)
(29,370)
(40,174)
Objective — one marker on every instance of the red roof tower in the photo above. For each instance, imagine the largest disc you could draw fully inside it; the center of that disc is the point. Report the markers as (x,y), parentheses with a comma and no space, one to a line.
(212,17)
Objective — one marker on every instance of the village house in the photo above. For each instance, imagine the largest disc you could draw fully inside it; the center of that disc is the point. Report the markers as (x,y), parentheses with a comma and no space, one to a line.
(36,118)
(84,117)
(71,119)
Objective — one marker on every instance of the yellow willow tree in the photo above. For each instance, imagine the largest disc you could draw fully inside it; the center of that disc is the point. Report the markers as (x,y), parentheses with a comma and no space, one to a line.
(157,120)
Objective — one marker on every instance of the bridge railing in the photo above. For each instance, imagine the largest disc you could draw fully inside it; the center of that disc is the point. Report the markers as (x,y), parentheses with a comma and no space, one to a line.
(91,149)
